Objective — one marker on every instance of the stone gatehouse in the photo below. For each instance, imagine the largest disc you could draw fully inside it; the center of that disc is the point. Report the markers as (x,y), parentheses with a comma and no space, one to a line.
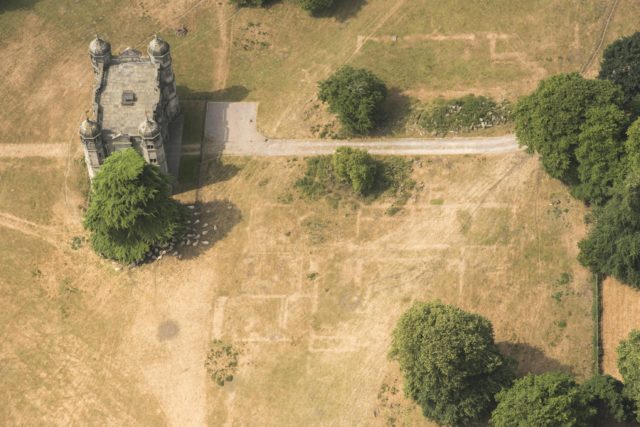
(134,101)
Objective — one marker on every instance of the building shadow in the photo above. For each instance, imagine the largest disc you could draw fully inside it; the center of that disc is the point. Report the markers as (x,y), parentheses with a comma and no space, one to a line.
(209,223)
(230,94)
(531,360)
(216,170)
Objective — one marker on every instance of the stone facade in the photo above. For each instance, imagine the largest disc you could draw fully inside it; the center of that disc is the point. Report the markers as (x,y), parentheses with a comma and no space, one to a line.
(134,101)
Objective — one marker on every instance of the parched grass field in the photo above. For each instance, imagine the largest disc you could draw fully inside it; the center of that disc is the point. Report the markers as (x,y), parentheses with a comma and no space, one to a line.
(307,292)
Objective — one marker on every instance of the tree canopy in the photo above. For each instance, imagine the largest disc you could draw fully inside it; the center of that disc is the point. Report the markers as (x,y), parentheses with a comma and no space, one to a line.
(355,167)
(315,6)
(629,367)
(605,394)
(547,400)
(450,362)
(599,153)
(549,121)
(130,208)
(621,65)
(356,96)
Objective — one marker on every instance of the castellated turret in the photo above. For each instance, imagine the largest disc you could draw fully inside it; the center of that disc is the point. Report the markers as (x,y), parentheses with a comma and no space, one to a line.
(134,106)
(94,152)
(160,53)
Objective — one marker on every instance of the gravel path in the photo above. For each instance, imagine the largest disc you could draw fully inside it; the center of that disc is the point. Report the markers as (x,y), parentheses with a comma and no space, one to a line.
(230,128)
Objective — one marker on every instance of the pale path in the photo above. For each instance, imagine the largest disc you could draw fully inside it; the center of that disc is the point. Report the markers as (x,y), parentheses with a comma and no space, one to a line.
(230,129)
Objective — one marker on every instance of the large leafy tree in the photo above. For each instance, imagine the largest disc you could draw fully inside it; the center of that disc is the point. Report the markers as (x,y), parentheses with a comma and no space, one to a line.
(612,246)
(621,65)
(356,96)
(315,6)
(546,400)
(629,367)
(355,167)
(549,120)
(130,208)
(451,365)
(599,153)
(606,395)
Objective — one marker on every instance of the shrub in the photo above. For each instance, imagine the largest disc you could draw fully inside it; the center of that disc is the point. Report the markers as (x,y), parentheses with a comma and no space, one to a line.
(464,114)
(355,167)
(131,209)
(356,96)
(451,365)
(548,400)
(221,362)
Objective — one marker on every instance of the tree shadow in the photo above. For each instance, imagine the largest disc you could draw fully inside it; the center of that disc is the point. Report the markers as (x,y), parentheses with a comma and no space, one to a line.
(343,10)
(9,5)
(216,170)
(394,113)
(531,360)
(209,223)
(230,94)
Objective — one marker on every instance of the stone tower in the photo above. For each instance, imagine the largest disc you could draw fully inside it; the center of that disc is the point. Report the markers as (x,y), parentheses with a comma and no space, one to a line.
(94,152)
(152,144)
(100,54)
(160,54)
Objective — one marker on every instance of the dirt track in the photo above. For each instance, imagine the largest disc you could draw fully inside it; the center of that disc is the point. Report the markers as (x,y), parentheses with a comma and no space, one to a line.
(230,128)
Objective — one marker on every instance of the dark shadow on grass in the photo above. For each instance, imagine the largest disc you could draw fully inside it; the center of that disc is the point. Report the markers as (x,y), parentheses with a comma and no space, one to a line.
(343,10)
(9,5)
(532,360)
(216,170)
(394,113)
(209,223)
(231,94)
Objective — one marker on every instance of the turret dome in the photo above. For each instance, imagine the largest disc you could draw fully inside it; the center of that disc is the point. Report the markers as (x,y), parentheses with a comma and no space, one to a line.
(149,129)
(99,47)
(89,129)
(158,47)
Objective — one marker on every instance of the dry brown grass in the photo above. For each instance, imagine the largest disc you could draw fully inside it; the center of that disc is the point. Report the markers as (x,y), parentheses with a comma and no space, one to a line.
(620,315)
(312,346)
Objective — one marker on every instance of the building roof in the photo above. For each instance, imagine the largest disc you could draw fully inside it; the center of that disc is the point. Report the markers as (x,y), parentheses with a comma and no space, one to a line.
(139,77)
(89,129)
(99,47)
(158,47)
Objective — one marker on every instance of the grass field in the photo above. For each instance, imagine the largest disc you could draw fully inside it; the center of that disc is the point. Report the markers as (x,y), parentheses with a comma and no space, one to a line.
(308,292)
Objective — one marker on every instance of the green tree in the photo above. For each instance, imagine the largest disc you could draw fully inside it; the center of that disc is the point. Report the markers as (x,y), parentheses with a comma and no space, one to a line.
(621,65)
(629,367)
(547,400)
(355,167)
(356,96)
(130,208)
(599,153)
(549,120)
(605,394)
(315,6)
(450,362)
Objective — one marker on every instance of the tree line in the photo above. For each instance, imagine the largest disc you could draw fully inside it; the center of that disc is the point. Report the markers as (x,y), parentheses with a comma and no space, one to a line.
(454,370)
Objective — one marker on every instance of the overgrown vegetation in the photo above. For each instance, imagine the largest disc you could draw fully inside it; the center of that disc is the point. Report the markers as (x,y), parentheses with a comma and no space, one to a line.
(451,365)
(355,95)
(221,362)
(465,114)
(350,172)
(131,209)
(315,6)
